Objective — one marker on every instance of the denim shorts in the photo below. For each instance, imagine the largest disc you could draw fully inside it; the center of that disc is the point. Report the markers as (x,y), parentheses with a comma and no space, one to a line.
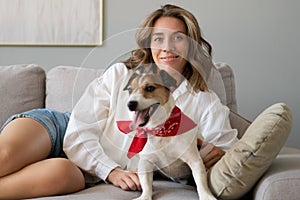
(55,122)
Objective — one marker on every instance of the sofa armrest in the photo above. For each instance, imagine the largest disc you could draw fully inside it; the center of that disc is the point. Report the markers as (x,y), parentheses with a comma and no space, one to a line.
(238,122)
(282,180)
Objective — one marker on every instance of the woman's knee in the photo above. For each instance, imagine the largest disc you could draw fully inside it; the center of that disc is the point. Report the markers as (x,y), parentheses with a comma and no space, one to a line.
(4,157)
(64,176)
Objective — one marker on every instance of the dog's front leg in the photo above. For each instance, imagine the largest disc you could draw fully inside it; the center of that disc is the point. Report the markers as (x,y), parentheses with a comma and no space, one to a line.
(145,173)
(200,177)
(193,159)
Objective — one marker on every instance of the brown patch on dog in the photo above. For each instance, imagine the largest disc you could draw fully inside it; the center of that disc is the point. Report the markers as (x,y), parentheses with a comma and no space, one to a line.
(151,87)
(151,83)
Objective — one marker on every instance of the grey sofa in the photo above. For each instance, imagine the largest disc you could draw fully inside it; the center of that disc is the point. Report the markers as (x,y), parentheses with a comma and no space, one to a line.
(23,87)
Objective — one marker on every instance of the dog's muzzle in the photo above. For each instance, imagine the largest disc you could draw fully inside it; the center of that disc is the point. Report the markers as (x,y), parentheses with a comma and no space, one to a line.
(132,105)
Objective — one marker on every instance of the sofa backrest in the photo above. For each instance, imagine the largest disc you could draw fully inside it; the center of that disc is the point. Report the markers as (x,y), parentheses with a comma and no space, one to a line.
(22,87)
(65,85)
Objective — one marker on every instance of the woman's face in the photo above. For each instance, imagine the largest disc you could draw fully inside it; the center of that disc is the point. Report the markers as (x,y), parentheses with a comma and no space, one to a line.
(169,44)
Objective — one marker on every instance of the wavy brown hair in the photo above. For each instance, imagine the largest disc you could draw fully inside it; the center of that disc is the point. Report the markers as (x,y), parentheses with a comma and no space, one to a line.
(200,50)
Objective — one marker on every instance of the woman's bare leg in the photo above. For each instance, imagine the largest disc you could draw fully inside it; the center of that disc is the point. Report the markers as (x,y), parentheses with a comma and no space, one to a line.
(22,142)
(44,178)
(24,172)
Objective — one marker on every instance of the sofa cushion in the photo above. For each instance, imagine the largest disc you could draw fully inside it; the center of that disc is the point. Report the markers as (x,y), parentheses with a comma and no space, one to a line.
(162,189)
(238,122)
(66,84)
(241,167)
(229,84)
(22,87)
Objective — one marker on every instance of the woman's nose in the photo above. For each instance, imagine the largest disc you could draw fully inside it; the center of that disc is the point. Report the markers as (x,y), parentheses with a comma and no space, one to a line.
(168,45)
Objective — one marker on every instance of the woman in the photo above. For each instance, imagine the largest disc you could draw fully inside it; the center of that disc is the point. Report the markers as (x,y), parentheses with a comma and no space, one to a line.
(93,141)
(32,161)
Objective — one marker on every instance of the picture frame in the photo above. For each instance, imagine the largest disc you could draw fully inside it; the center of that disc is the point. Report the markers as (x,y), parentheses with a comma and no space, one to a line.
(51,22)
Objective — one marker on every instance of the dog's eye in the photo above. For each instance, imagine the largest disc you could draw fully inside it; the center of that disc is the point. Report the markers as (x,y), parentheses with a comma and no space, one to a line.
(150,88)
(129,89)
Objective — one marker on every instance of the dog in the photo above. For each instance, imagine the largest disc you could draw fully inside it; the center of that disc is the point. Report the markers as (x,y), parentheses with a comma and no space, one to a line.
(163,133)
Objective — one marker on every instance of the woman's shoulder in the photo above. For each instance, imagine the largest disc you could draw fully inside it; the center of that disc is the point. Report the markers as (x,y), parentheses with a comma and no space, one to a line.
(209,96)
(115,71)
(209,100)
(117,68)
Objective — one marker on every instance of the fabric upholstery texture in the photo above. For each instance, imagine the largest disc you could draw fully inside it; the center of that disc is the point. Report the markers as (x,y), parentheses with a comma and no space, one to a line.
(66,84)
(238,122)
(165,190)
(282,180)
(22,88)
(229,84)
(242,166)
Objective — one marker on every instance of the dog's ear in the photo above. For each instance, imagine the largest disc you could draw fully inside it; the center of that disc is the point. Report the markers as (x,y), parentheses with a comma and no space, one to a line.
(129,81)
(167,79)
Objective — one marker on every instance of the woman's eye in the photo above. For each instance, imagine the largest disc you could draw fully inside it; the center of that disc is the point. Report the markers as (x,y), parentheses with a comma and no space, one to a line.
(157,39)
(178,37)
(150,88)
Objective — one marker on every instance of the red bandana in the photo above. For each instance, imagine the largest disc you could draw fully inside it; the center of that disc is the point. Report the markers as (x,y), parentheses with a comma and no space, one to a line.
(178,123)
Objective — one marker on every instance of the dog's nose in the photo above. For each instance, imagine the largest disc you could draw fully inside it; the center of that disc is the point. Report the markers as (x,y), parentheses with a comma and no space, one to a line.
(132,105)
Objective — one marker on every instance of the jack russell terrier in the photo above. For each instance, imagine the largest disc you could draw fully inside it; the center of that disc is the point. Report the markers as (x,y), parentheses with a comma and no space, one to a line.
(164,134)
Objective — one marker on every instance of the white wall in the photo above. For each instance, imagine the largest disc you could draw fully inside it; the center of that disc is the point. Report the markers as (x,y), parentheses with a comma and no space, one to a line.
(259,39)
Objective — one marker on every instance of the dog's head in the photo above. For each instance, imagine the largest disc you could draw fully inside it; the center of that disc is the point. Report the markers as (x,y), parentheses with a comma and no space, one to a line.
(150,100)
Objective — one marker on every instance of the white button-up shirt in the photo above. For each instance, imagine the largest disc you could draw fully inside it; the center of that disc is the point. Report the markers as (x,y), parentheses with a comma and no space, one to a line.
(94,142)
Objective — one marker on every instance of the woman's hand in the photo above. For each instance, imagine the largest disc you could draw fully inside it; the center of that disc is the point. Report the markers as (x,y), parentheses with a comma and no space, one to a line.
(125,179)
(210,154)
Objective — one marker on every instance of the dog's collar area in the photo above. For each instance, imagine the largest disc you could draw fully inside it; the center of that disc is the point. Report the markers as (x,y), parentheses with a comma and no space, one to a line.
(178,123)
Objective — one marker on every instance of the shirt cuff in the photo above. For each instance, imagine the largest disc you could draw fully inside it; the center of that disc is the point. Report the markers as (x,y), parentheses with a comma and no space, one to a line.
(105,168)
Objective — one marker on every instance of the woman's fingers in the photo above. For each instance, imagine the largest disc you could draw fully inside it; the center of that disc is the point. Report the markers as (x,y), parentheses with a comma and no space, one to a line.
(132,181)
(211,154)
(127,180)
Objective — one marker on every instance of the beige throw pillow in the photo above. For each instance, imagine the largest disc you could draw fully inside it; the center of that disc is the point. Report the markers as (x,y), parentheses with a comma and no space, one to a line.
(241,167)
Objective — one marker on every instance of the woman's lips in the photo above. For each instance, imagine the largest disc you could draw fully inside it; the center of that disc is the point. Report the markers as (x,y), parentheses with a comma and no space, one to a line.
(168,58)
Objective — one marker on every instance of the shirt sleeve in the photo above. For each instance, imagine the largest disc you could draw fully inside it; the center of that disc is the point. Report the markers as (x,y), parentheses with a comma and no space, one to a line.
(215,125)
(87,123)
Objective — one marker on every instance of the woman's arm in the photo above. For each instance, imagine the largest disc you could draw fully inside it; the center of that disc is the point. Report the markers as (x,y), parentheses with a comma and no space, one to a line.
(86,125)
(217,132)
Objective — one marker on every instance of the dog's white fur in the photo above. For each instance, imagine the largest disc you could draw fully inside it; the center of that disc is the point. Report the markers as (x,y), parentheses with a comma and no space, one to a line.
(159,152)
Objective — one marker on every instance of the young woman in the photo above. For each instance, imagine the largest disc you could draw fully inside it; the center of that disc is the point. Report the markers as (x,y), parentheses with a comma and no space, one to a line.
(32,161)
(171,38)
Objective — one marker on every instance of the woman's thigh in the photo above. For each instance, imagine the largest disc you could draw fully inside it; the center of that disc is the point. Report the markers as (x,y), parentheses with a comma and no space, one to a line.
(22,141)
(48,177)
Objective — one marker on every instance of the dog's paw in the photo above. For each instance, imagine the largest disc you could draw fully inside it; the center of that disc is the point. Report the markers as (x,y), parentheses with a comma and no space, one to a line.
(143,198)
(207,197)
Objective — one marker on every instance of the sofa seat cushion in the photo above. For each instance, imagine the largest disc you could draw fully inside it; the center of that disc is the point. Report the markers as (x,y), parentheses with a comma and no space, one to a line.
(242,166)
(22,87)
(162,189)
